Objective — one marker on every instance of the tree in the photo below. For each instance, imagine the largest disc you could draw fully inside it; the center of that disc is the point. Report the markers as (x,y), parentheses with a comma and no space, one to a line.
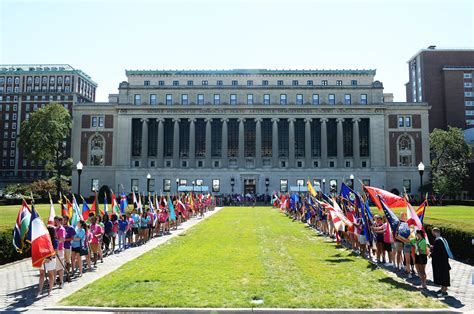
(43,137)
(449,157)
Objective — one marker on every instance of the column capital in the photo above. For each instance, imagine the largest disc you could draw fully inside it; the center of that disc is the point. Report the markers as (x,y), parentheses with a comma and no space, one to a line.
(275,120)
(308,120)
(339,120)
(144,120)
(324,120)
(241,119)
(176,120)
(208,119)
(258,120)
(192,120)
(160,120)
(291,120)
(356,120)
(224,120)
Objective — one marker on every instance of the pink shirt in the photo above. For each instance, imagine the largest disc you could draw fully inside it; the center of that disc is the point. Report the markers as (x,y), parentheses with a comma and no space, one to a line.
(387,235)
(95,230)
(60,234)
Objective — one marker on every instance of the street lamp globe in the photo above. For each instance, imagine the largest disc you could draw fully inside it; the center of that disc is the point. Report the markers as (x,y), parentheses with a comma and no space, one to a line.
(79,166)
(148,176)
(351,177)
(421,167)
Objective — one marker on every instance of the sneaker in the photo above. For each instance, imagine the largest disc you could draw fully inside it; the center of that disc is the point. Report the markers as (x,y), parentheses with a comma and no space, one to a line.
(410,276)
(387,264)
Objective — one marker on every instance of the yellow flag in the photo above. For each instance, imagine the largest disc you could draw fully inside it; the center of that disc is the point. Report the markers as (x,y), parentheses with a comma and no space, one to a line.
(311,189)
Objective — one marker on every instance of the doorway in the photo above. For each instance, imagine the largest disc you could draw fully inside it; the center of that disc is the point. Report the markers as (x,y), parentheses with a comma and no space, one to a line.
(250,186)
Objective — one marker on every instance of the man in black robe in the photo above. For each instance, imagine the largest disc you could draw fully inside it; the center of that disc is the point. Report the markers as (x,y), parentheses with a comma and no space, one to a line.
(440,254)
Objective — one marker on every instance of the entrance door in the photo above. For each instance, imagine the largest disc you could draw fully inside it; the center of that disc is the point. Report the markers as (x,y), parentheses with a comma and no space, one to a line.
(249,186)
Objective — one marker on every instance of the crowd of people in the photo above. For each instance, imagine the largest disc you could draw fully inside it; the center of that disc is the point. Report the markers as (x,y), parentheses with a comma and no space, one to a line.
(373,236)
(80,247)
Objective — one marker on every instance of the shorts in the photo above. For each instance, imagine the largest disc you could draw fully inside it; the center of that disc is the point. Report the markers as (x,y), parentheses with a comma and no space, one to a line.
(60,260)
(407,248)
(421,259)
(129,233)
(398,246)
(113,234)
(387,247)
(76,250)
(95,247)
(67,256)
(50,263)
(379,237)
(135,230)
(362,239)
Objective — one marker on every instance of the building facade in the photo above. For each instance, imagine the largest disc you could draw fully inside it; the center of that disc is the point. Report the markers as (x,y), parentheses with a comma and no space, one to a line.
(249,131)
(23,90)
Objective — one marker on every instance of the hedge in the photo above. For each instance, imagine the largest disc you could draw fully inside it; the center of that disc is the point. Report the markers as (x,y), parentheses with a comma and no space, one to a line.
(8,253)
(459,202)
(460,242)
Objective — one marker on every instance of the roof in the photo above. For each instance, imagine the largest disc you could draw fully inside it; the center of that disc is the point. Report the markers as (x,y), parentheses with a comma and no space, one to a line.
(249,71)
(439,50)
(42,69)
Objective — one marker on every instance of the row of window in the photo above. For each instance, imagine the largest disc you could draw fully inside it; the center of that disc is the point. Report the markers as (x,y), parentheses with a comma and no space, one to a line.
(29,80)
(97,122)
(251,83)
(6,126)
(315,100)
(6,116)
(27,107)
(29,89)
(6,134)
(36,98)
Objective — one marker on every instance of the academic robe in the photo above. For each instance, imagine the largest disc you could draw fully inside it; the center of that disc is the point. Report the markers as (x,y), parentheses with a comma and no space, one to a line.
(440,262)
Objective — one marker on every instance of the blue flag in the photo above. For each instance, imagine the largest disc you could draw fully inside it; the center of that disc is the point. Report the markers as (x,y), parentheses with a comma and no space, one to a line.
(347,193)
(171,209)
(391,217)
(123,203)
(293,200)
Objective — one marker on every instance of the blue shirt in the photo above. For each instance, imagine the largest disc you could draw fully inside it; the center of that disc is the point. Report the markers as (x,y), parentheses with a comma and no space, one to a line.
(145,222)
(80,233)
(136,219)
(123,224)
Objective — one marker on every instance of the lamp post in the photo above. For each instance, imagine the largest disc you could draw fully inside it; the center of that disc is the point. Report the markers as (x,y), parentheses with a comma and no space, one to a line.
(299,187)
(177,185)
(193,186)
(79,166)
(267,183)
(421,170)
(232,182)
(148,178)
(352,181)
(324,186)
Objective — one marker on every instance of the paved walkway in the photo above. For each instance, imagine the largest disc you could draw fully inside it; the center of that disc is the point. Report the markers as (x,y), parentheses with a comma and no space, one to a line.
(19,281)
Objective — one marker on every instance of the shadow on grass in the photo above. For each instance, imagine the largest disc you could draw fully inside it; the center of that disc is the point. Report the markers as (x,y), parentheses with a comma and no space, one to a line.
(397,284)
(337,261)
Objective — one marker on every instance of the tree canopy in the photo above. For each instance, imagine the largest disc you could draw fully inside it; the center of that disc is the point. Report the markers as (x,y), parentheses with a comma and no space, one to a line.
(449,157)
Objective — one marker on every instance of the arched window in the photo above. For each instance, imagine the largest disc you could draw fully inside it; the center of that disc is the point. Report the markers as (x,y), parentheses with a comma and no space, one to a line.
(96,150)
(405,150)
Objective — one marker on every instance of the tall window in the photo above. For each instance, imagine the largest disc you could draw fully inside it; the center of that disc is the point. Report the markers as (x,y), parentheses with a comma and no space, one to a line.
(233,99)
(364,137)
(249,138)
(152,137)
(347,138)
(331,99)
(184,99)
(283,138)
(233,138)
(315,99)
(347,99)
(153,99)
(200,138)
(332,139)
(315,138)
(249,99)
(299,137)
(282,99)
(138,99)
(217,99)
(136,137)
(169,99)
(299,99)
(200,99)
(216,138)
(168,130)
(266,126)
(405,155)
(184,138)
(363,99)
(266,99)
(97,151)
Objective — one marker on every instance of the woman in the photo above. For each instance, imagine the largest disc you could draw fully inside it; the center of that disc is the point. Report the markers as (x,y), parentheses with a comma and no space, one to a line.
(78,246)
(420,256)
(122,231)
(49,265)
(114,230)
(107,231)
(144,227)
(379,231)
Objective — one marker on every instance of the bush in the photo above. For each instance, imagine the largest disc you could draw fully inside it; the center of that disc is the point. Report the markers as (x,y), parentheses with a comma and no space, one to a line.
(460,242)
(459,202)
(8,252)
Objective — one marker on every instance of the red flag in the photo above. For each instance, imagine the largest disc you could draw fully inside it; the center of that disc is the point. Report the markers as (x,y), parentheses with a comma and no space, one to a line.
(391,200)
(38,236)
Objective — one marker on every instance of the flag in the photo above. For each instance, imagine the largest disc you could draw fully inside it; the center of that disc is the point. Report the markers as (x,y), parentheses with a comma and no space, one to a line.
(21,227)
(340,213)
(123,203)
(294,200)
(115,205)
(76,212)
(68,206)
(85,210)
(347,193)
(106,210)
(181,207)
(366,216)
(311,189)
(392,219)
(420,212)
(390,200)
(61,205)
(38,236)
(95,206)
(52,213)
(171,209)
(139,203)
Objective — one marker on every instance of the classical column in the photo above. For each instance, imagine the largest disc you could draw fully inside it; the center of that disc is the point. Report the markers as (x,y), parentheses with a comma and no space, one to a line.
(340,143)
(161,143)
(176,143)
(258,142)
(275,152)
(307,142)
(208,143)
(192,142)
(241,161)
(144,152)
(225,158)
(356,142)
(324,143)
(291,142)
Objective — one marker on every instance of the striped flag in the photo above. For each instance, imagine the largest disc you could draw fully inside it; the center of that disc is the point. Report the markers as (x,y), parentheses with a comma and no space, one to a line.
(52,212)
(38,236)
(21,227)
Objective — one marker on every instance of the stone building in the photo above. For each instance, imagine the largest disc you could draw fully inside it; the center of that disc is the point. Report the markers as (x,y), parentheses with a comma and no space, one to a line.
(249,131)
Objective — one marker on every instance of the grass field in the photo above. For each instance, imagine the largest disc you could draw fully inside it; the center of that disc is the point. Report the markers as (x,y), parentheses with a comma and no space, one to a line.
(245,253)
(8,214)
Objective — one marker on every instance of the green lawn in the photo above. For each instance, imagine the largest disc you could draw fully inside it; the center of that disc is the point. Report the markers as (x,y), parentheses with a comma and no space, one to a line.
(245,253)
(8,214)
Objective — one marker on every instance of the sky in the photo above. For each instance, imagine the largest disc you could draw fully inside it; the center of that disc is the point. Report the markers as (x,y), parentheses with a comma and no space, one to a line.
(105,37)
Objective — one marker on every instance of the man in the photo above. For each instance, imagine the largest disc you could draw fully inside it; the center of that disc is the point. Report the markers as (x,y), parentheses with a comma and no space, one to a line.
(440,254)
(70,233)
(136,222)
(60,236)
(96,232)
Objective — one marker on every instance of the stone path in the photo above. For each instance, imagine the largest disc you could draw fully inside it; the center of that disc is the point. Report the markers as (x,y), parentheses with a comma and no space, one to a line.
(19,281)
